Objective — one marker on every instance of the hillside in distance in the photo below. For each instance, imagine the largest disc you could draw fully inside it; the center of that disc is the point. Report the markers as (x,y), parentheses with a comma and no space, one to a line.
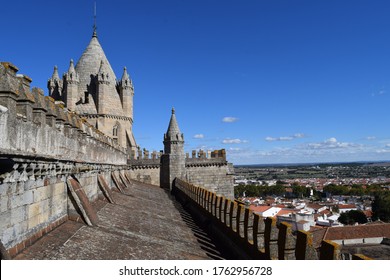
(313,170)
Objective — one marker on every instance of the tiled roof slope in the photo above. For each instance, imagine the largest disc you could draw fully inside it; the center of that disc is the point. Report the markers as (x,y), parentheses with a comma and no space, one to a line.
(357,232)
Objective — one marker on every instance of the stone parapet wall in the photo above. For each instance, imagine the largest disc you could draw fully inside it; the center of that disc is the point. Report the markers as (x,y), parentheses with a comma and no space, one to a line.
(29,206)
(34,196)
(42,145)
(34,125)
(146,173)
(212,175)
(251,235)
(212,172)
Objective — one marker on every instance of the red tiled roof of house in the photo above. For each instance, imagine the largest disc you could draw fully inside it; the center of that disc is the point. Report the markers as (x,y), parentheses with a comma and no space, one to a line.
(318,234)
(314,206)
(260,208)
(357,232)
(280,205)
(286,211)
(346,206)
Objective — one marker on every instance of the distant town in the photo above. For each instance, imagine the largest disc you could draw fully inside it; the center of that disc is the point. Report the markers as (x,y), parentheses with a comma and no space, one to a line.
(347,203)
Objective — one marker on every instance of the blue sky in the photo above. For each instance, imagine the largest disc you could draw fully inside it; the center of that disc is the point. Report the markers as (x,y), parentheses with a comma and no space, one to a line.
(269,81)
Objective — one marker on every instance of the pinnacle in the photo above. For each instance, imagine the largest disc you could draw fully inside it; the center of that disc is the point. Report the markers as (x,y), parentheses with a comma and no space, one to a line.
(173,128)
(71,67)
(55,75)
(125,75)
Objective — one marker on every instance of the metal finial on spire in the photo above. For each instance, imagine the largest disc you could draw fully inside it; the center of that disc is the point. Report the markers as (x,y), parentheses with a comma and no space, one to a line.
(173,110)
(94,21)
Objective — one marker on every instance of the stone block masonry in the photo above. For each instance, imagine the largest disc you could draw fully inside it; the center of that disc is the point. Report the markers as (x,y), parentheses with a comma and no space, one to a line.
(42,144)
(214,176)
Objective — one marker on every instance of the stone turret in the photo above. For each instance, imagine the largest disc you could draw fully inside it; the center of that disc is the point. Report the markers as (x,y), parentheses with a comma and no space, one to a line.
(71,86)
(126,93)
(55,85)
(103,83)
(173,159)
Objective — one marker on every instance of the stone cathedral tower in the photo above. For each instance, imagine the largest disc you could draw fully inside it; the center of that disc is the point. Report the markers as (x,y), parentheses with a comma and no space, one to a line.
(92,90)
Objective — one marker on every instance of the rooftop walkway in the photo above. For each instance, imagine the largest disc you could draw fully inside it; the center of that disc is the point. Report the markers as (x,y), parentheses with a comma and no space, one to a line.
(144,223)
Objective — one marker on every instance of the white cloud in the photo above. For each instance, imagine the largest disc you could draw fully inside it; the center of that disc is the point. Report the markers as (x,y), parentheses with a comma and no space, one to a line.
(382,151)
(331,140)
(370,138)
(332,143)
(229,119)
(198,136)
(234,141)
(285,138)
(270,139)
(299,135)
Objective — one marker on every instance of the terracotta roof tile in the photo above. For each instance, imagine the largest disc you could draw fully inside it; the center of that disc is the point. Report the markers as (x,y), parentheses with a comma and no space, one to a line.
(259,209)
(314,206)
(286,211)
(346,206)
(356,232)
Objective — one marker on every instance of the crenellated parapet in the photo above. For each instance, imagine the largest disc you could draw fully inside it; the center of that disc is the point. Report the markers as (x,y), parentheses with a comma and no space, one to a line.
(34,125)
(251,235)
(143,158)
(206,158)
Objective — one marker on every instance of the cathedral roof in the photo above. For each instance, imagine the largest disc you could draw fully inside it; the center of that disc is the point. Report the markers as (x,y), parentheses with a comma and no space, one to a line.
(90,61)
(93,61)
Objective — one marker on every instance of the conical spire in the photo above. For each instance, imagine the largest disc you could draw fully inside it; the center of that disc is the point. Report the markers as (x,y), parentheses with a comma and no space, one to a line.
(71,76)
(125,81)
(173,131)
(54,84)
(103,74)
(55,76)
(125,75)
(90,63)
(71,67)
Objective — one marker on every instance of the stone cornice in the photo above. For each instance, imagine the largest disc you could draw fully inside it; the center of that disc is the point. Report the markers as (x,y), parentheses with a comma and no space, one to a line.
(92,116)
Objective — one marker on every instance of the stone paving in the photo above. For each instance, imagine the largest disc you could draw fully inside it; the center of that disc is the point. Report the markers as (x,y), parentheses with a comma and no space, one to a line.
(144,223)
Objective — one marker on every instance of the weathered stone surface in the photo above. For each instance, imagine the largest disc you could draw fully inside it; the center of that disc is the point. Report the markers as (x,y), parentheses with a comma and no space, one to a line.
(83,204)
(91,90)
(145,223)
